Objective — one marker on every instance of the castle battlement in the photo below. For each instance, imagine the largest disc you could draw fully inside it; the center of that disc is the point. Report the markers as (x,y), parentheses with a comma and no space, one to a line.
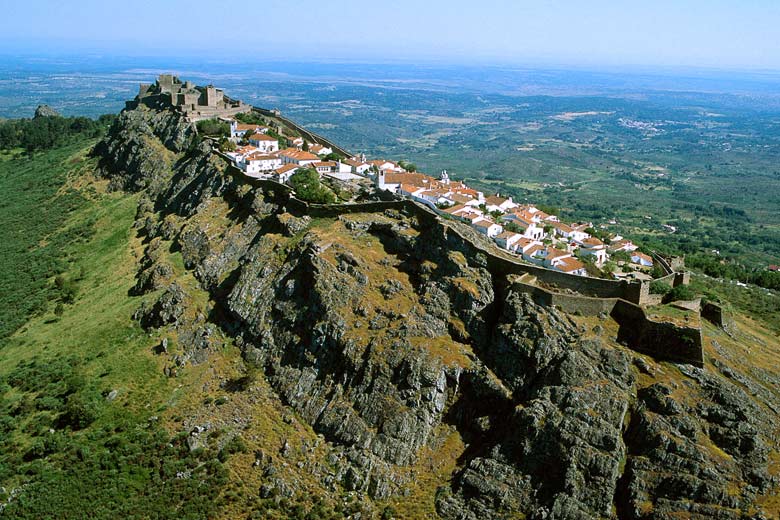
(193,101)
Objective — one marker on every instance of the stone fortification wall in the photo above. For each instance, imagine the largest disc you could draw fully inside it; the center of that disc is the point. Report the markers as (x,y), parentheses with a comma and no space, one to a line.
(717,315)
(570,303)
(306,134)
(661,340)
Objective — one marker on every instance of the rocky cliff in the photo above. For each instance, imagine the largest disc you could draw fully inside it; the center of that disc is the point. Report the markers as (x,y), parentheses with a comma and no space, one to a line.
(424,372)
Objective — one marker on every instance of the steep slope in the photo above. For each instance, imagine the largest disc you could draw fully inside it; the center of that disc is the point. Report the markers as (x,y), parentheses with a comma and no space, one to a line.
(337,363)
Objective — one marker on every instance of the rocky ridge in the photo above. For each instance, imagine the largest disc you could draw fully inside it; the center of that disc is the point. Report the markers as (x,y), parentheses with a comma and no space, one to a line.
(390,340)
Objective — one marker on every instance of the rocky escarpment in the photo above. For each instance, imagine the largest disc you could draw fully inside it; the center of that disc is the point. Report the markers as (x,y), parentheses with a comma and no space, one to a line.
(393,342)
(141,148)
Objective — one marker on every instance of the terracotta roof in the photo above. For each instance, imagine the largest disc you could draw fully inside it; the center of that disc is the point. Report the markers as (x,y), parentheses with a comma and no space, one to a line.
(286,168)
(484,223)
(415,179)
(457,197)
(642,256)
(454,209)
(553,253)
(593,241)
(534,249)
(245,127)
(563,227)
(260,157)
(508,234)
(299,155)
(261,137)
(570,264)
(495,200)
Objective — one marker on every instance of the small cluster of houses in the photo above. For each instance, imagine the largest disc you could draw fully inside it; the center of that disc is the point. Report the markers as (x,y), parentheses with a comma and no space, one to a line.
(263,159)
(522,229)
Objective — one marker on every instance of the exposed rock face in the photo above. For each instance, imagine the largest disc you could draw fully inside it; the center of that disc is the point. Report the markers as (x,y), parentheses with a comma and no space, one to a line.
(387,339)
(139,150)
(45,111)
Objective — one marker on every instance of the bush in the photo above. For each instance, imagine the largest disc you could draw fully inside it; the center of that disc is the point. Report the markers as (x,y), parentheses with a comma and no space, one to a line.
(308,187)
(681,293)
(213,127)
(81,410)
(661,288)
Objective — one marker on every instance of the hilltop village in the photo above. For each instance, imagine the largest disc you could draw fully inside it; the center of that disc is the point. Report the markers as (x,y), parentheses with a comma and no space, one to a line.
(262,149)
(522,229)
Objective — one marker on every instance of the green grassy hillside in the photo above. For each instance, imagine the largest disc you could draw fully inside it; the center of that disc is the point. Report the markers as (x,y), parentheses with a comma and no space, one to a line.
(78,387)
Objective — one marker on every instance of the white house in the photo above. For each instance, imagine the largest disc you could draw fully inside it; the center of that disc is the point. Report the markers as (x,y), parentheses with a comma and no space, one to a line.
(508,240)
(530,229)
(239,130)
(258,163)
(621,244)
(534,253)
(319,149)
(295,142)
(487,227)
(641,259)
(297,157)
(496,203)
(525,244)
(359,167)
(571,265)
(284,172)
(595,248)
(265,143)
(324,167)
(552,256)
(570,232)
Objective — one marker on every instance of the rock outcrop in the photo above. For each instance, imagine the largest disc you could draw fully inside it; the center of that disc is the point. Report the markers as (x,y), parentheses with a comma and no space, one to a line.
(388,340)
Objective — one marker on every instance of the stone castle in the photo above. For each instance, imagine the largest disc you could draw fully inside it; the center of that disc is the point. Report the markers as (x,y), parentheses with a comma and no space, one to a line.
(194,102)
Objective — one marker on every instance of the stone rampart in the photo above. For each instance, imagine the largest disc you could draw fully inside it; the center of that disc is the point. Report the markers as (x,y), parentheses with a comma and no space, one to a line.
(306,134)
(717,315)
(619,299)
(660,339)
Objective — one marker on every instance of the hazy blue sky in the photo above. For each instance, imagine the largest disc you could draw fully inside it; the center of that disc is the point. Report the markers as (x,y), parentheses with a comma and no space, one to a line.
(709,33)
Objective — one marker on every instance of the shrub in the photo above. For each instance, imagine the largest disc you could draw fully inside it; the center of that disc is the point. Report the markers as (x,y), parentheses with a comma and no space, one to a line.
(308,187)
(661,288)
(80,411)
(681,292)
(213,127)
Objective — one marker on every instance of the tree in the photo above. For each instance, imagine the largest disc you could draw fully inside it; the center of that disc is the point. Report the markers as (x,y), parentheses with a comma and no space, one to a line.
(305,146)
(307,186)
(226,145)
(681,292)
(658,287)
(213,127)
(410,167)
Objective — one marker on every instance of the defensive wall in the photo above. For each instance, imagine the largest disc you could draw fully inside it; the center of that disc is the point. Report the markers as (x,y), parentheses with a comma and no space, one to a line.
(589,296)
(661,340)
(498,262)
(306,134)
(717,315)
